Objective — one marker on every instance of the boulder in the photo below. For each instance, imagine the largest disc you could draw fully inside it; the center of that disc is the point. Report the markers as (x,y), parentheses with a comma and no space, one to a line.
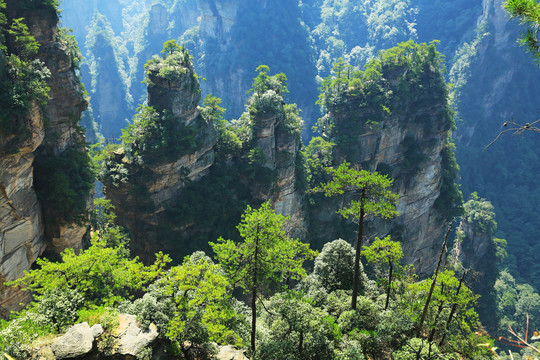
(230,353)
(131,338)
(77,341)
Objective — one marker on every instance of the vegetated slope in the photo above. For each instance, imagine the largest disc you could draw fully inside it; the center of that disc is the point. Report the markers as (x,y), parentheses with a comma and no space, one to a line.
(172,190)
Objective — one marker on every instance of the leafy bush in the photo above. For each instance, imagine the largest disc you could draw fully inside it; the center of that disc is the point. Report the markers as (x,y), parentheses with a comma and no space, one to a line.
(335,265)
(60,307)
(17,334)
(103,275)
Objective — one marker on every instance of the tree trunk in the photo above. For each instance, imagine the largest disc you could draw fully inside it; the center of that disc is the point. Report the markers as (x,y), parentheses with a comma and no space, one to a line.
(433,282)
(358,250)
(389,285)
(254,293)
(454,308)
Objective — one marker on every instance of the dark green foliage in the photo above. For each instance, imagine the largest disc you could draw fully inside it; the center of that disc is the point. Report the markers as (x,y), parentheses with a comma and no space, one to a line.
(63,183)
(297,329)
(394,80)
(60,307)
(37,4)
(450,200)
(156,136)
(22,82)
(414,157)
(65,36)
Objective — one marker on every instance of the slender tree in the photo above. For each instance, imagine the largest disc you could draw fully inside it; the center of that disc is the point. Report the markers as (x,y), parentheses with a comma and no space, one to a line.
(373,198)
(265,256)
(385,253)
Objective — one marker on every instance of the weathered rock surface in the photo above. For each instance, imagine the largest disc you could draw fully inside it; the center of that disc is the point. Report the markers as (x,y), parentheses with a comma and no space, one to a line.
(23,231)
(407,144)
(77,341)
(131,339)
(230,353)
(280,147)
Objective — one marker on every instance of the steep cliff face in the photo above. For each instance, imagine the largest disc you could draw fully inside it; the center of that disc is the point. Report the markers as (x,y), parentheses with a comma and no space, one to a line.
(501,84)
(178,184)
(21,224)
(476,250)
(394,118)
(178,148)
(25,227)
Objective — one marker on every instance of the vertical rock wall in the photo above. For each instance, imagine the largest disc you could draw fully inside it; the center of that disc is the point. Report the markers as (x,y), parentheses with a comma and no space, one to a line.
(24,232)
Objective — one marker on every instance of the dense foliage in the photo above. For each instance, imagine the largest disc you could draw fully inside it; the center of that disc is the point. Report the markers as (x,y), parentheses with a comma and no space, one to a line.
(192,302)
(22,82)
(63,183)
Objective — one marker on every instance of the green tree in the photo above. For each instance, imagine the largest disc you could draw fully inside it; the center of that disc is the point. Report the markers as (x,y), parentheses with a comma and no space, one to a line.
(385,253)
(170,47)
(528,13)
(202,299)
(102,275)
(334,266)
(373,198)
(297,329)
(266,256)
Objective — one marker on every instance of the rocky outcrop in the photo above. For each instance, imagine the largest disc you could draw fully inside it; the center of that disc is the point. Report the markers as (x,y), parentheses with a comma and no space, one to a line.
(475,249)
(162,177)
(24,232)
(77,341)
(132,339)
(81,341)
(405,139)
(280,147)
(126,341)
(230,353)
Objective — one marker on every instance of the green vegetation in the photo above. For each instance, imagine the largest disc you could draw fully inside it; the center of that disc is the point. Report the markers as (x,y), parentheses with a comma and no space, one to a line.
(22,82)
(33,4)
(267,255)
(355,32)
(63,183)
(193,301)
(386,255)
(450,201)
(397,77)
(528,13)
(372,198)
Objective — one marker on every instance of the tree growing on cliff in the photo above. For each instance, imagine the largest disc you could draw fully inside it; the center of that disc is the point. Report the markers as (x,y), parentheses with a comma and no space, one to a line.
(266,256)
(528,13)
(373,198)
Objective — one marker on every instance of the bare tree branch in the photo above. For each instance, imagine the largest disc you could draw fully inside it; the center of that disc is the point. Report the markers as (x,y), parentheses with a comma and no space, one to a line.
(516,129)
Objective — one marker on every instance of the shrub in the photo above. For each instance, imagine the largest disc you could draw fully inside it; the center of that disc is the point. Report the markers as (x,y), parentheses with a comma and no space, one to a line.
(60,307)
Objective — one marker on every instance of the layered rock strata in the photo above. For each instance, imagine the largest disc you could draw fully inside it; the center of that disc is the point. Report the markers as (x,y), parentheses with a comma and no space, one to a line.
(24,231)
(397,126)
(160,181)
